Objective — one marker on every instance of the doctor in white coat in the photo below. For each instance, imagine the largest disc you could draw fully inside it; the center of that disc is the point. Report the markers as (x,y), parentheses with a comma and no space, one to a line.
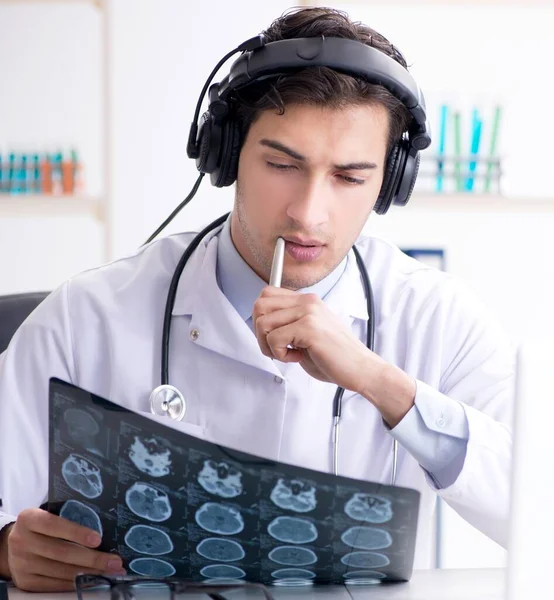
(259,365)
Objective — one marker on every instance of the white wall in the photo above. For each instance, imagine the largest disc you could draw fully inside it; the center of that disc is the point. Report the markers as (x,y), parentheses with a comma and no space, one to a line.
(50,98)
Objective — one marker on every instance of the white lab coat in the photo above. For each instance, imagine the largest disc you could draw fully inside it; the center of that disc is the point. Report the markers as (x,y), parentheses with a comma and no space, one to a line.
(102,331)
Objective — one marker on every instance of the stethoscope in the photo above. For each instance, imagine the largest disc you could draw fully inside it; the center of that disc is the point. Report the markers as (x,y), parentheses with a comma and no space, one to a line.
(167,400)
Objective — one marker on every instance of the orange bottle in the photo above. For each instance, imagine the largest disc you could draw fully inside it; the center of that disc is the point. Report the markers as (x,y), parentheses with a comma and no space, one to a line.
(46,175)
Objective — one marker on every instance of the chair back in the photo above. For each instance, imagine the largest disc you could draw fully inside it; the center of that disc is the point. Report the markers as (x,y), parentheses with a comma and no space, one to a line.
(14,309)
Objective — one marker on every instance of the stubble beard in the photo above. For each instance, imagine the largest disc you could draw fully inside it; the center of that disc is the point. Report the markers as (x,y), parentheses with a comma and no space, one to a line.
(263,260)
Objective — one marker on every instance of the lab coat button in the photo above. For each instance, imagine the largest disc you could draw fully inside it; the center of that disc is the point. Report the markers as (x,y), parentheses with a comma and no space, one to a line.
(194,333)
(278,379)
(440,422)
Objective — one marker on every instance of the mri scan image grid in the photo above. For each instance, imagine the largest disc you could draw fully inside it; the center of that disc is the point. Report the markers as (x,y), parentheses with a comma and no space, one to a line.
(171,504)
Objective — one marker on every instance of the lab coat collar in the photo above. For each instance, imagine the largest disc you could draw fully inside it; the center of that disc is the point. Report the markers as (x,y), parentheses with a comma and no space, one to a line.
(213,316)
(347,297)
(193,275)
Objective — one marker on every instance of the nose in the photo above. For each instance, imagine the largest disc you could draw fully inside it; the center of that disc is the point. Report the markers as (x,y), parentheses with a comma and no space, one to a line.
(310,207)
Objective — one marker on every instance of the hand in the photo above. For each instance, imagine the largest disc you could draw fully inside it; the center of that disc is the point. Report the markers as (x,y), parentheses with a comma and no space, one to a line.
(44,552)
(294,327)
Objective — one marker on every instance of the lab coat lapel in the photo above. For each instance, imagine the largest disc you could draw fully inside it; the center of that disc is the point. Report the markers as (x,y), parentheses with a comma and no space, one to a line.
(347,298)
(220,328)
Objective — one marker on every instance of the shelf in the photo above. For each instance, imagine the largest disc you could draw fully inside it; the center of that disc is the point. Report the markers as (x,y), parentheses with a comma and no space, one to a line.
(50,206)
(479,203)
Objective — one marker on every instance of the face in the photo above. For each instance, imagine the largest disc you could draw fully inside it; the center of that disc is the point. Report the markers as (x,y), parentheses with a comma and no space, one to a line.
(312,176)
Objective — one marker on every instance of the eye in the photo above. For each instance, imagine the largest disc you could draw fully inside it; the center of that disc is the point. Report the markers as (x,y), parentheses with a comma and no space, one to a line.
(352,180)
(280,166)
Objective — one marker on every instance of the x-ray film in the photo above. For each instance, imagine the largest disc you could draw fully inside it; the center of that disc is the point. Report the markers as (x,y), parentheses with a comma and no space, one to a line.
(171,504)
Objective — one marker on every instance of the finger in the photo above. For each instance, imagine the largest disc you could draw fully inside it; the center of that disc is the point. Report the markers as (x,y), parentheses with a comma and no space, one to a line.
(40,521)
(266,305)
(286,343)
(39,583)
(68,553)
(271,290)
(265,324)
(292,355)
(63,571)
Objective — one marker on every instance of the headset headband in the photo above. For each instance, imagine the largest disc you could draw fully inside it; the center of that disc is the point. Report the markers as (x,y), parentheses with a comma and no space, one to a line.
(215,142)
(344,55)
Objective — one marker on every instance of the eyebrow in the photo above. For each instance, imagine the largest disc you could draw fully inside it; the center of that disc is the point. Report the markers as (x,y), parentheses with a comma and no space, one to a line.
(354,166)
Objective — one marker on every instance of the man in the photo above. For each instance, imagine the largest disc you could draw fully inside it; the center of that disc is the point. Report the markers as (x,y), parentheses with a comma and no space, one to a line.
(259,365)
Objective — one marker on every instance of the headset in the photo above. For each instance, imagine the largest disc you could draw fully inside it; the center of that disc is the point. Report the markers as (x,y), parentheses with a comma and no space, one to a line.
(216,143)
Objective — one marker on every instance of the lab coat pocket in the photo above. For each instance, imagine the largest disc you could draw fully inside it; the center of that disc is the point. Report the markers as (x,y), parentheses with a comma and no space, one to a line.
(193,429)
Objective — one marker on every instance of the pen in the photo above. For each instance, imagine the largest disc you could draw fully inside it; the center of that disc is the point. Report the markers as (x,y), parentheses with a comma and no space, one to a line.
(277,266)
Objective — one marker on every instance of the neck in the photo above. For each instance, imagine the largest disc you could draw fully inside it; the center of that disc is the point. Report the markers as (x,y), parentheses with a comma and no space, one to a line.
(242,248)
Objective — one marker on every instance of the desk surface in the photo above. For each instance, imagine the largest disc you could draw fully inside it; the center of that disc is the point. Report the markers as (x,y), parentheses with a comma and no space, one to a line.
(455,584)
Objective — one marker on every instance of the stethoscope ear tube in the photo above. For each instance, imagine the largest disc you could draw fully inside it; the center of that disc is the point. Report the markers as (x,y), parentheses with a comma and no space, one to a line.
(172,292)
(167,400)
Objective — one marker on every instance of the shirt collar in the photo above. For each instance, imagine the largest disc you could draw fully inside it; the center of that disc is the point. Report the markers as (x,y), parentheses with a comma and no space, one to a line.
(242,286)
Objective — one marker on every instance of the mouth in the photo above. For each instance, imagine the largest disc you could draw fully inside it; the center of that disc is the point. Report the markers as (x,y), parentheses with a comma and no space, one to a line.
(307,243)
(303,250)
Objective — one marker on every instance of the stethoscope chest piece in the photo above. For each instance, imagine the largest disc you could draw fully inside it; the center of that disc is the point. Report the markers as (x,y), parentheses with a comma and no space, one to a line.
(167,401)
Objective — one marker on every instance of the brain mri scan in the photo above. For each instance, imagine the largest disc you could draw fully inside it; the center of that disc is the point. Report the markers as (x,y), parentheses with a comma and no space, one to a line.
(222,572)
(294,495)
(220,479)
(220,550)
(219,518)
(76,511)
(294,556)
(148,502)
(369,508)
(150,456)
(367,538)
(82,427)
(365,560)
(292,530)
(292,573)
(82,475)
(148,540)
(152,567)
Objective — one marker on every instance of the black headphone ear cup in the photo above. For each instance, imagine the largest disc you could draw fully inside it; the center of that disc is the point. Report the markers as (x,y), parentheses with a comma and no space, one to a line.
(226,173)
(409,179)
(207,154)
(389,177)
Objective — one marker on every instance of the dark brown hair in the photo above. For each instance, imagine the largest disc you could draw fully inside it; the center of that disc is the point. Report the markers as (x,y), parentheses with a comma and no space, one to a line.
(321,86)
